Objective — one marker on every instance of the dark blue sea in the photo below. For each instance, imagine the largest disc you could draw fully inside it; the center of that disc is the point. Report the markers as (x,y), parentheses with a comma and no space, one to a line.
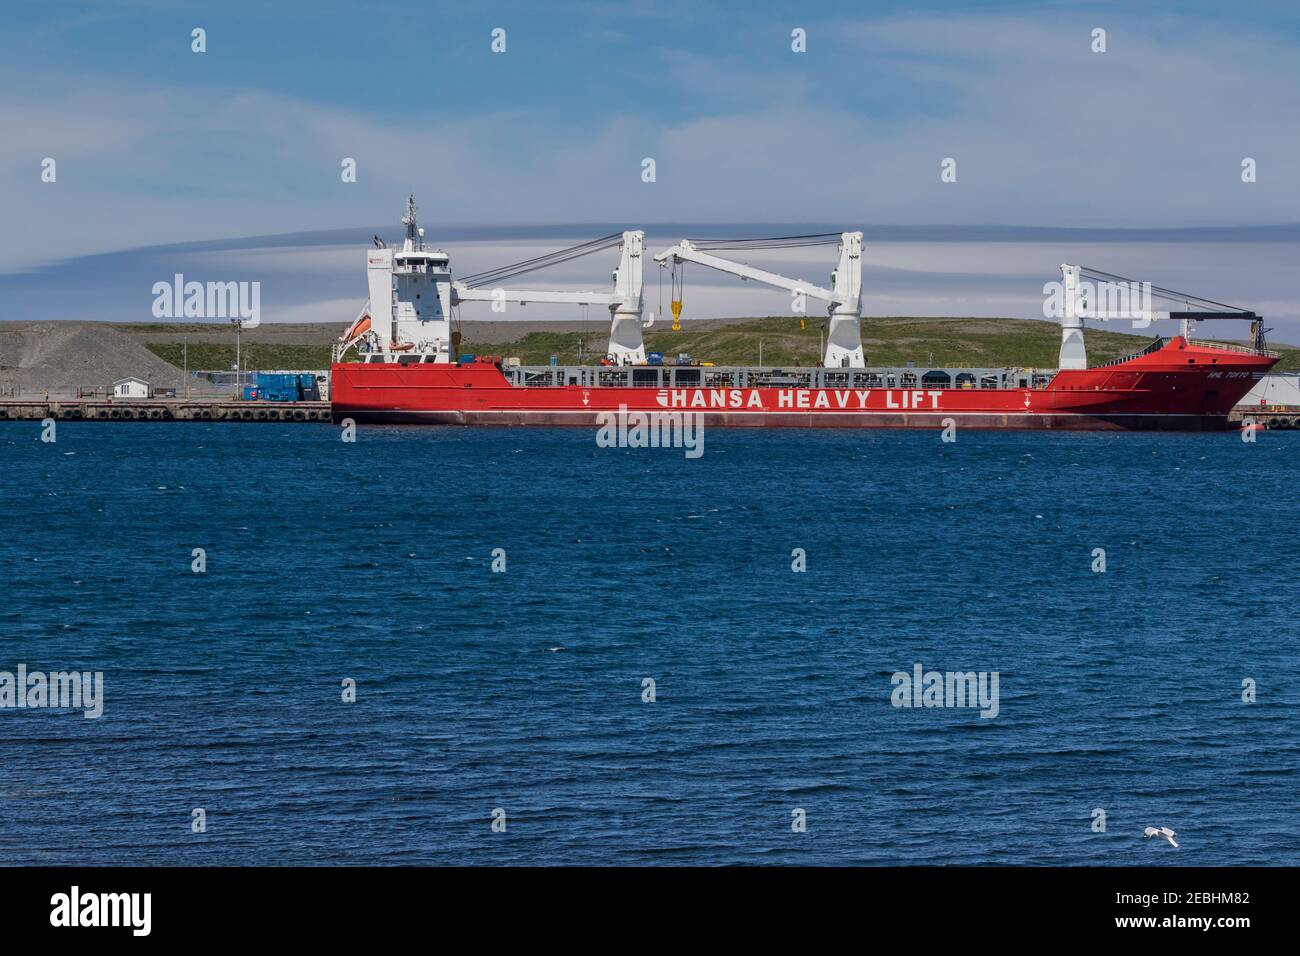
(522,690)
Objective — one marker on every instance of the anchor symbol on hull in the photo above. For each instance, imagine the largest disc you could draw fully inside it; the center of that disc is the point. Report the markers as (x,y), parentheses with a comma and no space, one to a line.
(586,398)
(1026,399)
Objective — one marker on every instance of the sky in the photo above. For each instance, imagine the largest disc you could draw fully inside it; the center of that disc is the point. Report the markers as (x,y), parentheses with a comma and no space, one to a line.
(155,144)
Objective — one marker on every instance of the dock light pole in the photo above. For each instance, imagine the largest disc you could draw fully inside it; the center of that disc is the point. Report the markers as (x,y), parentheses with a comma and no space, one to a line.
(239,385)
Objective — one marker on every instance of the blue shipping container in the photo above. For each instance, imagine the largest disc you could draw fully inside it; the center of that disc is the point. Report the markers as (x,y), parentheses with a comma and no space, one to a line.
(283,387)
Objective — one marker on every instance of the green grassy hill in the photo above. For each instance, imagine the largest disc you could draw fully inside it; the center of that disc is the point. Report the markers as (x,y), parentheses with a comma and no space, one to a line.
(211,356)
(891,341)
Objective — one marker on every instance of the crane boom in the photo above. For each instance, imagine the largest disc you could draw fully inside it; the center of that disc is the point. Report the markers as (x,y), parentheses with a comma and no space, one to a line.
(625,341)
(1090,294)
(844,335)
(684,251)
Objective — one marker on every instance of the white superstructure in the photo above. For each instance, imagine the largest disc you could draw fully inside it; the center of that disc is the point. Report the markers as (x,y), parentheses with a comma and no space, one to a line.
(408,317)
(409,310)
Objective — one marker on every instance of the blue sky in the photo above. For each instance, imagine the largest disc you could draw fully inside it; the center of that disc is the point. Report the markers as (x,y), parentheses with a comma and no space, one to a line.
(156,144)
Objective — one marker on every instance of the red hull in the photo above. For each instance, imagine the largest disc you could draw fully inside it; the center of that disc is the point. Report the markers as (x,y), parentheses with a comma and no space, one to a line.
(1182,386)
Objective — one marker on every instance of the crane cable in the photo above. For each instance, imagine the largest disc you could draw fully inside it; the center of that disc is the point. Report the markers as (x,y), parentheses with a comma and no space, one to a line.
(661,290)
(1208,305)
(771,242)
(558,257)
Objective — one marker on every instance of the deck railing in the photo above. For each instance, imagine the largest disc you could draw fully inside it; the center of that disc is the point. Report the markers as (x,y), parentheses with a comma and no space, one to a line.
(1155,346)
(806,377)
(1233,347)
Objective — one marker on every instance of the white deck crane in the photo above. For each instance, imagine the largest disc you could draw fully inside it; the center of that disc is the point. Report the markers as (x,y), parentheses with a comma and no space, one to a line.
(626,346)
(1088,293)
(844,335)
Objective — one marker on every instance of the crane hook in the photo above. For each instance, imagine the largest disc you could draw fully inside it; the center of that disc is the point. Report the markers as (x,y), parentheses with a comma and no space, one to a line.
(678,290)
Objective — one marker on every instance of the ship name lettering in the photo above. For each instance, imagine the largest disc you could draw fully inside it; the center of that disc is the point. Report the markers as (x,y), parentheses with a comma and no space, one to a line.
(913,398)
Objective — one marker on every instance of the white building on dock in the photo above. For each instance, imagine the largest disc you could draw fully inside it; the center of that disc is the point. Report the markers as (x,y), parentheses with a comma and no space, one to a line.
(132,387)
(1278,388)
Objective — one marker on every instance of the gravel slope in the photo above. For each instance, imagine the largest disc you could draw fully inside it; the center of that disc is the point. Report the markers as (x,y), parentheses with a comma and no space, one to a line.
(64,356)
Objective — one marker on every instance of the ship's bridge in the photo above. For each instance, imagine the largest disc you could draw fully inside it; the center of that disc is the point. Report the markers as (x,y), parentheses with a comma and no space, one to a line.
(421,261)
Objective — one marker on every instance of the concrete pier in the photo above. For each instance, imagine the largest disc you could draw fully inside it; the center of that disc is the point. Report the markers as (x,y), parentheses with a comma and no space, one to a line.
(161,410)
(1271,419)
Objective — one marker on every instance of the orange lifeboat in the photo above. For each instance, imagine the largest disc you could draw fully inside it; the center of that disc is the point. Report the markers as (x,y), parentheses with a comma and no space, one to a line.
(358,328)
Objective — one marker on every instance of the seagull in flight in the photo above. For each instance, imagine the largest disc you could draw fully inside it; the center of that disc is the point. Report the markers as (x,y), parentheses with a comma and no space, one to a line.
(1165,832)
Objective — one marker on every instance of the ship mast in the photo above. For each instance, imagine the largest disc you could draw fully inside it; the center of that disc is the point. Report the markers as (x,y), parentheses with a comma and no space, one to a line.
(414,234)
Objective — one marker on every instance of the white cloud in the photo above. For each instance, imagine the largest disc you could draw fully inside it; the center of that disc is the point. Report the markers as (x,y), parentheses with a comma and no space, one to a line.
(1044,132)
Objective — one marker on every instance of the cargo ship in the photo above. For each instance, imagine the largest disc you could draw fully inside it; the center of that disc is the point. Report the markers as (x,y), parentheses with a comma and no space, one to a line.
(407,366)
